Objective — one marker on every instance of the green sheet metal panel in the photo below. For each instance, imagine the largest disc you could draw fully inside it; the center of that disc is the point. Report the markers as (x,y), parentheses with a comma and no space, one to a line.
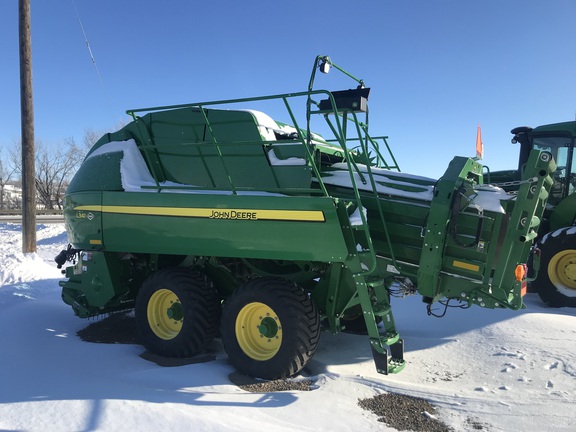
(98,173)
(216,149)
(273,227)
(84,227)
(186,143)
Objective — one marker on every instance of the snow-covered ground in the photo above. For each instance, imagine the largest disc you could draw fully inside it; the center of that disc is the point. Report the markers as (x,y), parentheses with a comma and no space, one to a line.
(492,369)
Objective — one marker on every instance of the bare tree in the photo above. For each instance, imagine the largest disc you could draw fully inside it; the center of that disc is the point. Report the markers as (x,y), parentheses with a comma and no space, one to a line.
(3,181)
(54,170)
(90,138)
(55,167)
(6,173)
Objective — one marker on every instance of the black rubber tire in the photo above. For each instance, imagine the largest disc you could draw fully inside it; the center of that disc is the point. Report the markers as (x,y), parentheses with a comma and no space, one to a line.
(298,324)
(199,312)
(556,281)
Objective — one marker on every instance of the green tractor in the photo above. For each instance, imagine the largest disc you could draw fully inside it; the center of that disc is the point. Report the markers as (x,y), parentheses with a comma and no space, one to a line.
(555,280)
(214,219)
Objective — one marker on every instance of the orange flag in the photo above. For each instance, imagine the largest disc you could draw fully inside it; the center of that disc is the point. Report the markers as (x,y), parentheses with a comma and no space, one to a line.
(479,145)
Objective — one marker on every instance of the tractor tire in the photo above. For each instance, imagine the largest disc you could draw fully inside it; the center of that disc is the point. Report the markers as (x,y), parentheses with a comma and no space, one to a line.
(556,281)
(177,312)
(270,328)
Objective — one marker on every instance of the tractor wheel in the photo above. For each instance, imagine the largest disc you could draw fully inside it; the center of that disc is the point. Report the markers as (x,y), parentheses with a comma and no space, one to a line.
(556,281)
(177,312)
(270,328)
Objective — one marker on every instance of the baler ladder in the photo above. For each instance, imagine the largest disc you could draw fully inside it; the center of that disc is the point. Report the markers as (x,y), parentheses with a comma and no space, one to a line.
(371,291)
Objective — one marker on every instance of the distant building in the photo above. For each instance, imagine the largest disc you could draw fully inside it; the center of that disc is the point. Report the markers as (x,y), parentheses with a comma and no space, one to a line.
(10,197)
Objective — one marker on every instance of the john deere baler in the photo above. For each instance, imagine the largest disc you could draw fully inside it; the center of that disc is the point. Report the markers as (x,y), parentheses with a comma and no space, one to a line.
(212,216)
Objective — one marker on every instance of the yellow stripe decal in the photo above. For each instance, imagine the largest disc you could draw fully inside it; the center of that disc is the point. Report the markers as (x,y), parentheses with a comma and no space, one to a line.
(95,242)
(211,213)
(466,266)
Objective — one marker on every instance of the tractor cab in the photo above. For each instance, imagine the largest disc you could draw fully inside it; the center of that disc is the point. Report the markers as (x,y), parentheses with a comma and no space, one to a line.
(558,140)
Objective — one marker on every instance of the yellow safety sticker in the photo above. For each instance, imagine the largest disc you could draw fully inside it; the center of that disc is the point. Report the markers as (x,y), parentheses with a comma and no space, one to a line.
(466,266)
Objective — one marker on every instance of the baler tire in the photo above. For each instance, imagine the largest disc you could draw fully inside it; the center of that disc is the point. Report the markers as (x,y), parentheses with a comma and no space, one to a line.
(556,280)
(177,312)
(270,328)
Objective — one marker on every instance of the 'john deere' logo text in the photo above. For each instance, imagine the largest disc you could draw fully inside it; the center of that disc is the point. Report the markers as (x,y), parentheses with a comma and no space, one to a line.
(233,214)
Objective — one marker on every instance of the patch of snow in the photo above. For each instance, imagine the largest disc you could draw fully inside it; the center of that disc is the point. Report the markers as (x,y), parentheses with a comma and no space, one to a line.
(390,174)
(489,198)
(385,184)
(266,125)
(291,161)
(133,170)
(356,217)
(556,233)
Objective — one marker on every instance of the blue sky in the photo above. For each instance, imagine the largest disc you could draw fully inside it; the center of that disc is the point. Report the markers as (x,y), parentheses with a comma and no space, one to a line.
(436,68)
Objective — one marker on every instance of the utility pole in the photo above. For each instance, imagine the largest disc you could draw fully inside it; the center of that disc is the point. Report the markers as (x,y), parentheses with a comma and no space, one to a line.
(27,120)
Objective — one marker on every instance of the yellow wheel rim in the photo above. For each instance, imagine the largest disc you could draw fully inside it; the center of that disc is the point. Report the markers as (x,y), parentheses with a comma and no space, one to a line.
(165,314)
(258,331)
(562,270)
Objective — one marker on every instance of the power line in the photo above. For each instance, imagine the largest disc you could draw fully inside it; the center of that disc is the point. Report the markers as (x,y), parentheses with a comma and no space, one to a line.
(93,59)
(87,44)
